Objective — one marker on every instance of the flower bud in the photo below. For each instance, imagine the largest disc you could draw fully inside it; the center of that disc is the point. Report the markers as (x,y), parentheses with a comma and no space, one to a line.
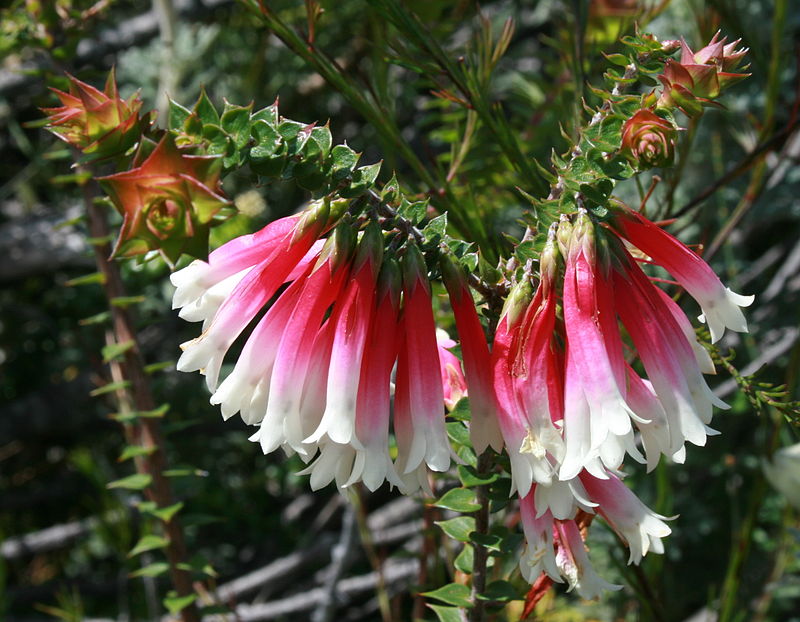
(648,140)
(700,76)
(517,302)
(99,123)
(167,202)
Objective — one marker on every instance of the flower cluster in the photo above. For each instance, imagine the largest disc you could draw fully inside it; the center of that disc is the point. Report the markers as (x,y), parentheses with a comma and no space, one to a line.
(99,123)
(570,404)
(315,373)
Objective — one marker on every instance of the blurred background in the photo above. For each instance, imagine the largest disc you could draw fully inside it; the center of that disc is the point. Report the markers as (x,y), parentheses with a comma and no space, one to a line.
(65,537)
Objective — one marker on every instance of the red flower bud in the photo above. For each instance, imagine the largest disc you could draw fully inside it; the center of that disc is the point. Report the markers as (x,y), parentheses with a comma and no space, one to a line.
(99,123)
(648,140)
(167,202)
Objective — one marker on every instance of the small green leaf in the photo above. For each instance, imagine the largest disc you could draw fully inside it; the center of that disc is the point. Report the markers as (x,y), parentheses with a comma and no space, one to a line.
(185,472)
(126,301)
(98,318)
(469,476)
(151,570)
(165,514)
(110,387)
(115,350)
(236,123)
(435,229)
(133,451)
(177,115)
(488,540)
(205,110)
(363,179)
(154,367)
(617,59)
(452,594)
(458,528)
(500,591)
(94,277)
(447,614)
(415,212)
(149,542)
(176,604)
(139,481)
(343,161)
(457,431)
(458,500)
(464,560)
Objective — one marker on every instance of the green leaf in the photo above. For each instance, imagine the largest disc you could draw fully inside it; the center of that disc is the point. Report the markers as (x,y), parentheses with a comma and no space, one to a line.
(490,541)
(205,109)
(98,318)
(268,114)
(127,417)
(459,432)
(185,472)
(458,528)
(115,350)
(176,604)
(94,277)
(151,570)
(177,115)
(447,614)
(464,560)
(363,179)
(149,542)
(154,367)
(165,514)
(617,59)
(235,122)
(110,387)
(458,500)
(435,229)
(469,476)
(500,591)
(126,301)
(452,594)
(139,481)
(133,451)
(343,161)
(414,212)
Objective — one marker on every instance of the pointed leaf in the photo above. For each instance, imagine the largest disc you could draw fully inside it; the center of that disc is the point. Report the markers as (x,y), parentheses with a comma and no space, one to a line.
(151,570)
(149,542)
(458,500)
(458,528)
(139,481)
(452,594)
(176,604)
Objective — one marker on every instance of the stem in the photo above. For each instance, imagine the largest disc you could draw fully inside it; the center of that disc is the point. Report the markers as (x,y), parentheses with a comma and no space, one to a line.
(147,433)
(480,555)
(167,71)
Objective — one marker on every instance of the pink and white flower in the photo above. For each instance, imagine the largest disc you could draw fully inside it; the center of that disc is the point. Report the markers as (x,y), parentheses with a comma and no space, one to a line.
(721,307)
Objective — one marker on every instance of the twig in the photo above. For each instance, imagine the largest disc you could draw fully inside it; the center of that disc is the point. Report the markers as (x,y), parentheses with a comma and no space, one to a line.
(480,552)
(341,555)
(148,430)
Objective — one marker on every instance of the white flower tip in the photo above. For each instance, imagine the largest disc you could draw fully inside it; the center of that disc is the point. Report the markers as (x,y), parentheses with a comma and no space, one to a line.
(738,299)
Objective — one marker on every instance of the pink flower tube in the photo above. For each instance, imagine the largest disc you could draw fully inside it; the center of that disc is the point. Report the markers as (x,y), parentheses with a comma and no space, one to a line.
(720,306)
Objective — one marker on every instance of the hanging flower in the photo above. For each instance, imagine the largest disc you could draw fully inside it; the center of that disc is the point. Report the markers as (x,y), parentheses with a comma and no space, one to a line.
(453,382)
(483,426)
(167,202)
(99,123)
(720,306)
(419,396)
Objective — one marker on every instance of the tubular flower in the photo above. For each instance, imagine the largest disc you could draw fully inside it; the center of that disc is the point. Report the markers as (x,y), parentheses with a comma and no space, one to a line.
(649,140)
(484,428)
(99,123)
(554,545)
(167,202)
(700,76)
(419,397)
(720,306)
(453,382)
(315,372)
(597,416)
(250,271)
